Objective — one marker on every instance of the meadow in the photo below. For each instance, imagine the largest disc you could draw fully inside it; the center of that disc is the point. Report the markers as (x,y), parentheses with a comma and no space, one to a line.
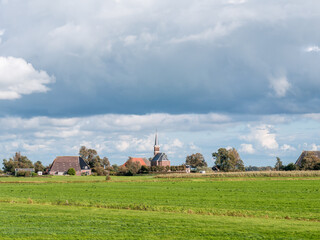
(160,207)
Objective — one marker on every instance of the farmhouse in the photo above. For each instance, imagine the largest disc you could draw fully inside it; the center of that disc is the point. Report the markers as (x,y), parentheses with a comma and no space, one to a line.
(142,161)
(62,164)
(159,159)
(304,153)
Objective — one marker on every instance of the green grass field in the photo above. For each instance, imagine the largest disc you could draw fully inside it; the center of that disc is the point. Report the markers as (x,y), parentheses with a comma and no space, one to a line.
(148,207)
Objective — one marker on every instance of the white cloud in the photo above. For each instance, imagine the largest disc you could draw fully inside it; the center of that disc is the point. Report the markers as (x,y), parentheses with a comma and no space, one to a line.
(177,143)
(313,49)
(262,135)
(286,147)
(122,146)
(172,145)
(17,77)
(1,34)
(193,147)
(237,1)
(280,85)
(129,40)
(28,147)
(219,30)
(247,148)
(315,147)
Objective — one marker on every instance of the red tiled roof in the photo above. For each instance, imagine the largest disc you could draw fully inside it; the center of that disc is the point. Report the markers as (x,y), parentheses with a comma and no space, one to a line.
(139,160)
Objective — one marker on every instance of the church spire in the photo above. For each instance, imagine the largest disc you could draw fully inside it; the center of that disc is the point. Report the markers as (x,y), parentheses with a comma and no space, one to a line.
(156,139)
(156,144)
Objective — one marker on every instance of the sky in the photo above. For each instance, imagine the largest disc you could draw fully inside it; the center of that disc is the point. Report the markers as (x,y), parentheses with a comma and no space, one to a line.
(205,74)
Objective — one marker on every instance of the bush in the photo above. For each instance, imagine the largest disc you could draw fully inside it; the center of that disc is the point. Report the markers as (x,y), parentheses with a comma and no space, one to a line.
(144,169)
(290,167)
(71,171)
(34,174)
(108,178)
(100,171)
(21,174)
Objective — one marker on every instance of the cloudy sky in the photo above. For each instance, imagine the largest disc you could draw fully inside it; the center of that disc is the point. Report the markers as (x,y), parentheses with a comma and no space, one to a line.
(206,73)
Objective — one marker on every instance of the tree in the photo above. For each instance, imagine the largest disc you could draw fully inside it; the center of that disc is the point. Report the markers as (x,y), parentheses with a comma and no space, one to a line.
(278,166)
(133,167)
(91,157)
(38,166)
(106,162)
(228,160)
(122,170)
(71,171)
(144,169)
(196,160)
(290,167)
(87,154)
(17,161)
(310,161)
(236,162)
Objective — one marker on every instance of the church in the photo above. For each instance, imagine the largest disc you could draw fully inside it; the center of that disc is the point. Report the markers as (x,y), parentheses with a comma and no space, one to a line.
(159,158)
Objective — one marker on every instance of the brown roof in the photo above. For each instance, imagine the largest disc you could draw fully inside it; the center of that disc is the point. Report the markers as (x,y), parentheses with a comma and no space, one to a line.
(304,153)
(64,163)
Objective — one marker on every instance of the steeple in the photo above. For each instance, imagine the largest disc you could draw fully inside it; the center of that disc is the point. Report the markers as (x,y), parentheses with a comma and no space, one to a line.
(156,144)
(156,139)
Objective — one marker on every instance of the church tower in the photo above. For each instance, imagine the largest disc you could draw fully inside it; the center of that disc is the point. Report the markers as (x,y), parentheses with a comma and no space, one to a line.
(156,145)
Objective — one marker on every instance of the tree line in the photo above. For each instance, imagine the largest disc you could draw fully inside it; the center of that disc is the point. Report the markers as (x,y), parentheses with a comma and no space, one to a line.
(226,160)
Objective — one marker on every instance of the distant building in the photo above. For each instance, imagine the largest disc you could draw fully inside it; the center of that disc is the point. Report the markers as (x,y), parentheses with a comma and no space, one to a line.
(62,164)
(159,158)
(142,161)
(304,153)
(16,170)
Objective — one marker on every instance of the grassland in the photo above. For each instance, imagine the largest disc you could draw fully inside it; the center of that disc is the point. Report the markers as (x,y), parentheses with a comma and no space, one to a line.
(160,208)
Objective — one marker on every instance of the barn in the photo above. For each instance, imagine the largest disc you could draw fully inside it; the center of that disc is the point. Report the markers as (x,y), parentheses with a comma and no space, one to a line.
(62,164)
(304,153)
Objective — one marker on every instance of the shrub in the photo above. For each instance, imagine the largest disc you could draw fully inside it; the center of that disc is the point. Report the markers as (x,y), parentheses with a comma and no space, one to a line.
(108,178)
(143,169)
(34,174)
(100,171)
(290,167)
(71,171)
(21,174)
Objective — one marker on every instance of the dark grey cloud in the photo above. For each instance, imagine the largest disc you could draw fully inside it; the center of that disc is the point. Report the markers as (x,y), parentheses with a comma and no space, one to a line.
(247,57)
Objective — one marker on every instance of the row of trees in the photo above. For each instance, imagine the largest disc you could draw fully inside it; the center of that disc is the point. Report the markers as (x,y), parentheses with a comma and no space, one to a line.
(226,160)
(132,168)
(309,162)
(20,161)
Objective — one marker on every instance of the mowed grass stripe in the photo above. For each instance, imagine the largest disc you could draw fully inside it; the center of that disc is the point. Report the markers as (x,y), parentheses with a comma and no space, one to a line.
(290,199)
(25,221)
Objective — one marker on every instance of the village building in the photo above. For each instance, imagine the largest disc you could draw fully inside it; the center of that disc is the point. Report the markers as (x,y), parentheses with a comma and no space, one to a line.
(142,161)
(304,153)
(159,158)
(16,170)
(62,164)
